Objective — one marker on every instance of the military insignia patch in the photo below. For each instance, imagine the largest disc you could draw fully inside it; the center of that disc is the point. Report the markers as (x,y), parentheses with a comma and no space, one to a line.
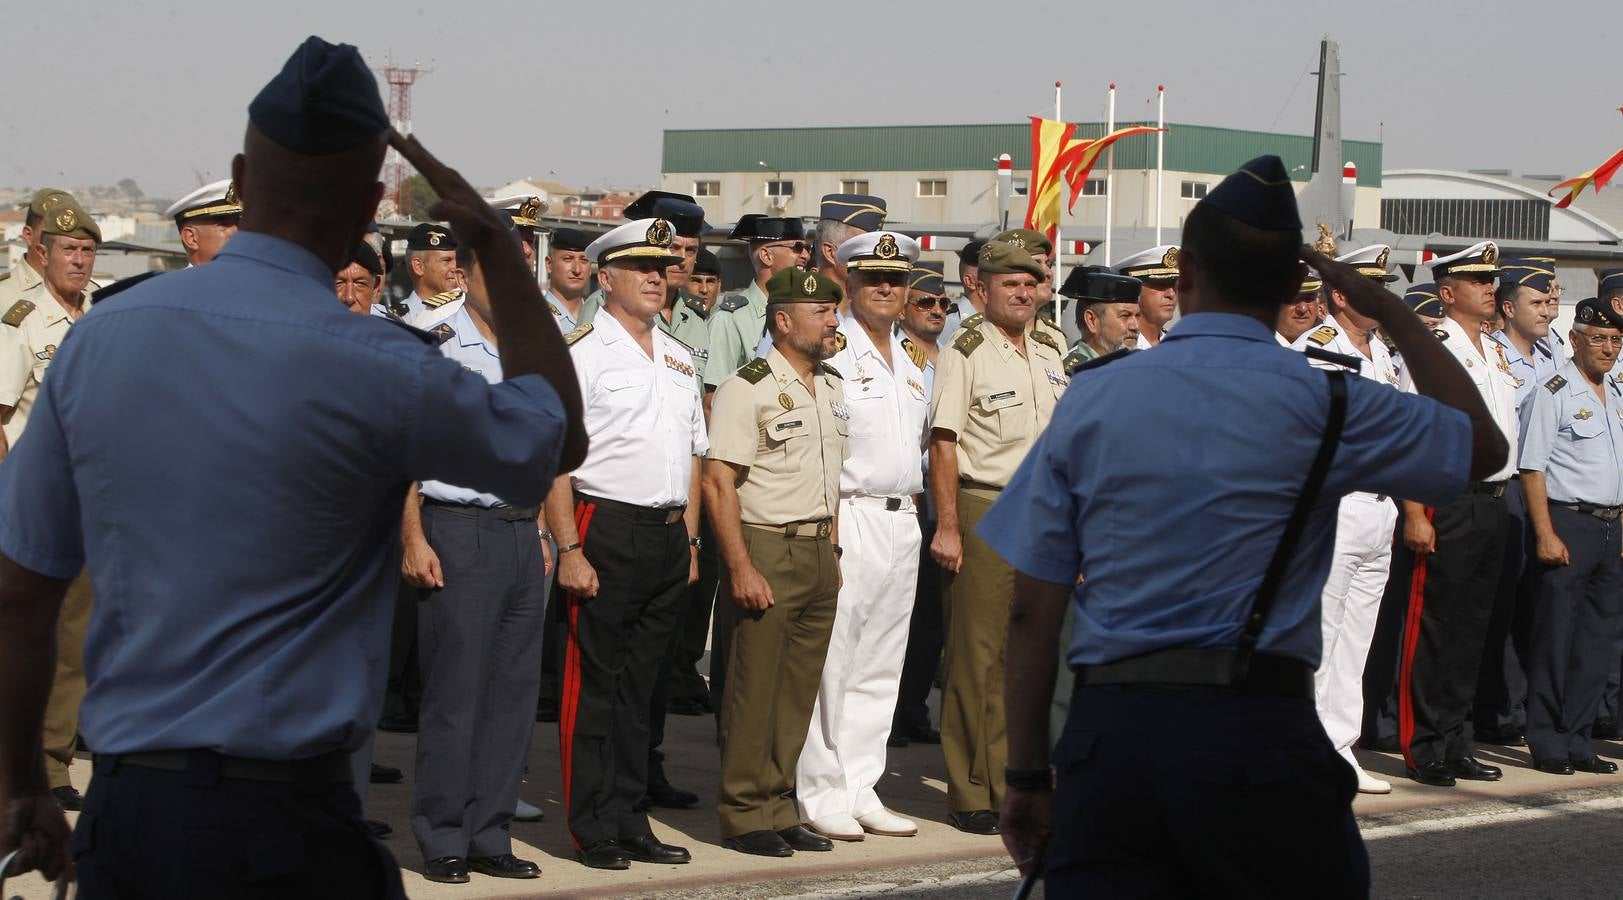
(1322,335)
(1582,415)
(1381,260)
(755,371)
(733,302)
(914,352)
(659,233)
(966,342)
(577,334)
(530,208)
(838,409)
(47,353)
(1046,339)
(67,220)
(442,333)
(786,401)
(1490,254)
(886,248)
(1556,383)
(17,313)
(1326,243)
(1170,258)
(434,238)
(1441,334)
(231,192)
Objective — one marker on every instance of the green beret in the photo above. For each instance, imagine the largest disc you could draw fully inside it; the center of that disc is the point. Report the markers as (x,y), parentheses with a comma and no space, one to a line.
(1030,241)
(64,216)
(999,258)
(797,285)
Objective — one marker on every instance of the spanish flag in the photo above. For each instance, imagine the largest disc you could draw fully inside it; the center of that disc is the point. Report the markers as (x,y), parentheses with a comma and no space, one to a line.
(1059,160)
(1598,176)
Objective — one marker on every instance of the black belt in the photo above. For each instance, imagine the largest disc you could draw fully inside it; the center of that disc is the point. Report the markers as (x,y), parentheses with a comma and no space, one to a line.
(1589,509)
(818,529)
(1267,673)
(501,513)
(979,485)
(663,515)
(330,768)
(1494,489)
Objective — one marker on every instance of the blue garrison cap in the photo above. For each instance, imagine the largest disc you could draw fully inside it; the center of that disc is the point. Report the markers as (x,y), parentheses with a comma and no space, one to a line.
(928,278)
(686,216)
(1528,271)
(324,101)
(1259,195)
(1423,299)
(857,210)
(1610,280)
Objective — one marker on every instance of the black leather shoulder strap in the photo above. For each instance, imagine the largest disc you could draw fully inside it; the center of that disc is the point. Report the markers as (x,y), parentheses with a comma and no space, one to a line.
(1275,574)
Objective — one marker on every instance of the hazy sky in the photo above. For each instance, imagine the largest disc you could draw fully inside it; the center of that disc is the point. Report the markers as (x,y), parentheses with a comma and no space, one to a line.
(158,91)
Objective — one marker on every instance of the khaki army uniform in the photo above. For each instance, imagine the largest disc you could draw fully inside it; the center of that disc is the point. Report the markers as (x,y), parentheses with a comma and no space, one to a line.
(735,325)
(793,444)
(18,283)
(997,401)
(31,330)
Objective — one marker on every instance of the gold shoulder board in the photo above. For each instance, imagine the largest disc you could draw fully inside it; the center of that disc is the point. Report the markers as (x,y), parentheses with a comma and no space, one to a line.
(579,332)
(440,299)
(830,370)
(967,340)
(1046,339)
(755,370)
(914,352)
(735,301)
(1322,335)
(1073,361)
(973,320)
(17,313)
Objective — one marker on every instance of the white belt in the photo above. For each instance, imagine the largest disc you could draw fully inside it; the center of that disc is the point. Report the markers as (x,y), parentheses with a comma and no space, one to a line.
(1367,496)
(893,504)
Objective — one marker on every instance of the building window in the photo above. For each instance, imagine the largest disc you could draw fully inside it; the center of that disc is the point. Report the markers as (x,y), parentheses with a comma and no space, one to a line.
(932,187)
(1193,190)
(1095,187)
(854,186)
(707,189)
(780,188)
(1021,186)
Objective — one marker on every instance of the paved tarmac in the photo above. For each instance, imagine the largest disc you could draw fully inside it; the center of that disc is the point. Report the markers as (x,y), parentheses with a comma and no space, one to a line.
(1530,830)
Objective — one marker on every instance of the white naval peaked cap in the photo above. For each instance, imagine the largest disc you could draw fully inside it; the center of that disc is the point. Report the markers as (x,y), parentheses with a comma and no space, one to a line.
(879,251)
(1370,261)
(639,239)
(1155,264)
(1480,258)
(208,201)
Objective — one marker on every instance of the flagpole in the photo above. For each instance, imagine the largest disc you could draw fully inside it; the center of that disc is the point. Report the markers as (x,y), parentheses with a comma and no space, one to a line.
(1059,228)
(1160,143)
(1110,172)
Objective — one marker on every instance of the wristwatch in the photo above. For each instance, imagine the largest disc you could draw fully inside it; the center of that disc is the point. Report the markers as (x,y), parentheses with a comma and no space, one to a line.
(695,543)
(568,548)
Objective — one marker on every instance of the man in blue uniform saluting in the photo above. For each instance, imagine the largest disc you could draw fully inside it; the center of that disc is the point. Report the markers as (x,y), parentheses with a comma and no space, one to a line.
(239,509)
(1183,624)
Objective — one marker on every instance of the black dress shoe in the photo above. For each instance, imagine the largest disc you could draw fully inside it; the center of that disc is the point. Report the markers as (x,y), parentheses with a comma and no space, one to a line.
(925,735)
(666,796)
(648,849)
(1469,769)
(1435,774)
(379,830)
(896,739)
(447,870)
(1505,737)
(759,843)
(1604,730)
(978,821)
(1553,766)
(504,866)
(400,725)
(605,854)
(1595,766)
(686,706)
(546,710)
(386,775)
(69,798)
(800,838)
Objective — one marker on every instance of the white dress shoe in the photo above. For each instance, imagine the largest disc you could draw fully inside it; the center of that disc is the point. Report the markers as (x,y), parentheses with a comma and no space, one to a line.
(838,827)
(883,821)
(1369,784)
(526,812)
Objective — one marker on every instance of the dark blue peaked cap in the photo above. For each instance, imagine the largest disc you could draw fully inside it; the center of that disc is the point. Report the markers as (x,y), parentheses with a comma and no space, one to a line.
(686,216)
(324,101)
(1259,195)
(1610,280)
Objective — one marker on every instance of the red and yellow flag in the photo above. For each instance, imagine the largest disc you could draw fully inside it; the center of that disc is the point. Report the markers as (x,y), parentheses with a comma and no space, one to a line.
(1598,176)
(1059,160)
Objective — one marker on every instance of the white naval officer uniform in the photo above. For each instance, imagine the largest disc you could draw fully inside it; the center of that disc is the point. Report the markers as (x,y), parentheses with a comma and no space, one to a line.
(1359,568)
(844,755)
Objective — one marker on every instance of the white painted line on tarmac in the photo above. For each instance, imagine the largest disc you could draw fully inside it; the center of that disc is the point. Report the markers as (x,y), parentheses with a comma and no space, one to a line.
(880,888)
(1492,817)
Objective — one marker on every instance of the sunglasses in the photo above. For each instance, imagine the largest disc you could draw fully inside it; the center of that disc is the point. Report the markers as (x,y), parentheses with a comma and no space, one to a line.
(795,247)
(932,303)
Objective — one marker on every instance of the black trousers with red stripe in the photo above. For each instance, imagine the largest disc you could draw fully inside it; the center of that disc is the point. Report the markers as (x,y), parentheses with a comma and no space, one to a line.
(1447,627)
(618,644)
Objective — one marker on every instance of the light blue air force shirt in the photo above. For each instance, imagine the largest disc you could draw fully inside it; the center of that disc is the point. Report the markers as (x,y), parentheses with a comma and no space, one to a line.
(1173,520)
(1574,437)
(229,447)
(468,349)
(1529,371)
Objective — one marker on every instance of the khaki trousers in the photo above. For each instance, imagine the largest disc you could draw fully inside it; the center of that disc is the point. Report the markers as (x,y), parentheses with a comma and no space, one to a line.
(68,685)
(774,665)
(973,736)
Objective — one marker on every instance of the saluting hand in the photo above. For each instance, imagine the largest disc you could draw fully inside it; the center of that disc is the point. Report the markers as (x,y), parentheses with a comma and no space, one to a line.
(750,590)
(576,575)
(420,565)
(473,220)
(948,549)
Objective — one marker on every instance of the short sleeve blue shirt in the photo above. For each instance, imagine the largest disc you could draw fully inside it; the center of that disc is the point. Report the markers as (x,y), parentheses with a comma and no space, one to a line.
(1575,438)
(229,448)
(1173,517)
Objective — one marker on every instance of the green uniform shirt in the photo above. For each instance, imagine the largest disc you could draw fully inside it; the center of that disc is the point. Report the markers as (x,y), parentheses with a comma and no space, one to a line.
(690,324)
(736,326)
(1081,353)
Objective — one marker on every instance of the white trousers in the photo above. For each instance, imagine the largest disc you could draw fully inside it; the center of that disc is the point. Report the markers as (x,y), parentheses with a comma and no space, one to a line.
(845,747)
(1352,598)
